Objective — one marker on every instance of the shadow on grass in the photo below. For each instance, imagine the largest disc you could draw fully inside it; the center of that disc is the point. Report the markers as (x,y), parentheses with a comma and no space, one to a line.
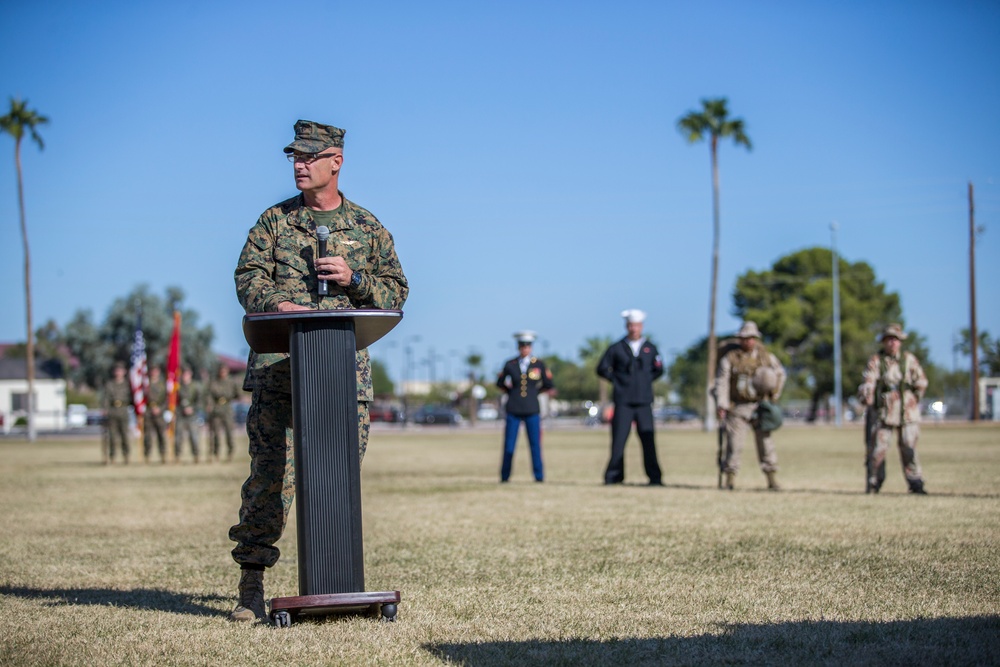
(138,598)
(953,641)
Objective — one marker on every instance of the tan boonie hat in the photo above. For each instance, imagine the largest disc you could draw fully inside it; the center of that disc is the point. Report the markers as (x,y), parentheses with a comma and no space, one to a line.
(765,380)
(893,331)
(749,330)
(313,137)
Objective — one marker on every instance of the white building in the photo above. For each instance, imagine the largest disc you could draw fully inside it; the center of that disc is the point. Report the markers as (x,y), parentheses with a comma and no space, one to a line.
(50,397)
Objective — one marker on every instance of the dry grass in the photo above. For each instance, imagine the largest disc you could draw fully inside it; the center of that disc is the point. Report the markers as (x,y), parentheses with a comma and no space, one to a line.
(116,565)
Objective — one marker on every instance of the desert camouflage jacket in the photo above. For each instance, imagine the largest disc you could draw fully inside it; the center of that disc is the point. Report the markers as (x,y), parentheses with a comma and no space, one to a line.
(277,265)
(894,391)
(734,376)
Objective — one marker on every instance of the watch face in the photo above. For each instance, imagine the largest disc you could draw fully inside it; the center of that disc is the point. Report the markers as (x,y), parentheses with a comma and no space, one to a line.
(355,279)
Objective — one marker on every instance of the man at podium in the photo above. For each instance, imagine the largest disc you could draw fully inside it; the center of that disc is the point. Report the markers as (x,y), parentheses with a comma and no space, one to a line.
(282,269)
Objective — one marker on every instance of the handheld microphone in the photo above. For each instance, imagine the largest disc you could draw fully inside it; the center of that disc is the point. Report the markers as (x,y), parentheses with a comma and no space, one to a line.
(322,233)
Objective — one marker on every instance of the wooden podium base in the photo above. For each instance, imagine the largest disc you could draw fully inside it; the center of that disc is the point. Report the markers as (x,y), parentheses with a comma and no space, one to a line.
(285,611)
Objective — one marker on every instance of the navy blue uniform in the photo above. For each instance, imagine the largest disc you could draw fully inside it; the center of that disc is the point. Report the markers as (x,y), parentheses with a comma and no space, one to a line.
(522,406)
(632,377)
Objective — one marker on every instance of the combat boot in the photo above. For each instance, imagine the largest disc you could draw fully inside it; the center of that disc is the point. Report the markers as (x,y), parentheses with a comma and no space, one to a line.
(917,487)
(728,484)
(251,604)
(772,483)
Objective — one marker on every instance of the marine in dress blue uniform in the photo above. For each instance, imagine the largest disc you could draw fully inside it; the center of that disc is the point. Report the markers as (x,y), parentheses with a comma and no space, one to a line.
(523,378)
(632,365)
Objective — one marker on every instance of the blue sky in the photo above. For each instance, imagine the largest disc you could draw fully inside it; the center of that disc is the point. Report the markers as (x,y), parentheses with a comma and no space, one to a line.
(523,154)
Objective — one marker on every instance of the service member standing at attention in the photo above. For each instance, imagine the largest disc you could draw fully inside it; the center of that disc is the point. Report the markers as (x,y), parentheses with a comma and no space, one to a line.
(745,376)
(222,392)
(116,399)
(894,383)
(186,419)
(279,271)
(153,420)
(632,365)
(523,378)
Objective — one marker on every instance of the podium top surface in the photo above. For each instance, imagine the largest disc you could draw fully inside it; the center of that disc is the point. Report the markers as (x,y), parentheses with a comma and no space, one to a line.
(268,332)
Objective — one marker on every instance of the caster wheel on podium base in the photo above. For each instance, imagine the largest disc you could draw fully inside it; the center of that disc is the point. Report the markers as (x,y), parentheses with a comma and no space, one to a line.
(281,619)
(389,612)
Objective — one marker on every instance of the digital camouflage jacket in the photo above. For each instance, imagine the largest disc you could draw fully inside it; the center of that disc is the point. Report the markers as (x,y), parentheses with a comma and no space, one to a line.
(277,265)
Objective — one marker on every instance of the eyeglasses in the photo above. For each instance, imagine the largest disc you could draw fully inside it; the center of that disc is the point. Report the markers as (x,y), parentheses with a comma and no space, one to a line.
(308,158)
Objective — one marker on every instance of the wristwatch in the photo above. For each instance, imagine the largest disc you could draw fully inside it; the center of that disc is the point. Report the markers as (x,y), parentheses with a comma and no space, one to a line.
(355,279)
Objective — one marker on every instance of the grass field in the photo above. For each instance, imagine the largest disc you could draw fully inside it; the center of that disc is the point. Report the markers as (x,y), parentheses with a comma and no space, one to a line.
(130,565)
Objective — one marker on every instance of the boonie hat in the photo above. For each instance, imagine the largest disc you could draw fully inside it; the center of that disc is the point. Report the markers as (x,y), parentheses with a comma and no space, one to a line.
(312,137)
(749,330)
(893,331)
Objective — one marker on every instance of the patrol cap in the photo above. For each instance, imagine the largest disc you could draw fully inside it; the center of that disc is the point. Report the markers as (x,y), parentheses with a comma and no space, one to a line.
(749,330)
(526,337)
(634,315)
(312,137)
(893,331)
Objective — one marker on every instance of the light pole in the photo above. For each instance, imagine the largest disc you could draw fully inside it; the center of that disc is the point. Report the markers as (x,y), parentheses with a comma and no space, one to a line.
(408,350)
(837,386)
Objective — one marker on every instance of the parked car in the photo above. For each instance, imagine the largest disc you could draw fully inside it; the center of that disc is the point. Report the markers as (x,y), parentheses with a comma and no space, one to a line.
(96,417)
(383,412)
(437,414)
(673,413)
(487,412)
(76,415)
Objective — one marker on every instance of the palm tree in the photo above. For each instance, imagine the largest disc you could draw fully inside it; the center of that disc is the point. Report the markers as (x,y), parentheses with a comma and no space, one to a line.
(713,120)
(15,123)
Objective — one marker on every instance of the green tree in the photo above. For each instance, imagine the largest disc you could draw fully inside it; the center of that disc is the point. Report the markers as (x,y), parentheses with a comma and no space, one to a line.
(381,382)
(713,120)
(590,354)
(792,303)
(988,351)
(16,123)
(98,347)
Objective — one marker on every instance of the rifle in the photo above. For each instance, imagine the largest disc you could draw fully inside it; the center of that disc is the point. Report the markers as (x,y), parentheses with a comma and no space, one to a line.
(870,433)
(720,457)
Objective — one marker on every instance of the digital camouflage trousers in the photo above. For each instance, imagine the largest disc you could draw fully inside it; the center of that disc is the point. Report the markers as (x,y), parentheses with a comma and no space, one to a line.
(268,492)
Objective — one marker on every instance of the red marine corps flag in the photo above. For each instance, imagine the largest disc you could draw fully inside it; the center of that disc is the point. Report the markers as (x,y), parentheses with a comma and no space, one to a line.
(137,373)
(173,374)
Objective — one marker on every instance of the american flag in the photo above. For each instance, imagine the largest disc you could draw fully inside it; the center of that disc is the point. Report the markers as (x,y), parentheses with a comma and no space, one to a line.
(137,374)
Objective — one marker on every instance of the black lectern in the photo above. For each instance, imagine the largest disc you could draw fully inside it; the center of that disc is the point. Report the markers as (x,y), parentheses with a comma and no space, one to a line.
(322,346)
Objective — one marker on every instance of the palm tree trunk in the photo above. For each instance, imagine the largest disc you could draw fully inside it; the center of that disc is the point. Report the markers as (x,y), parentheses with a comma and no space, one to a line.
(30,347)
(710,368)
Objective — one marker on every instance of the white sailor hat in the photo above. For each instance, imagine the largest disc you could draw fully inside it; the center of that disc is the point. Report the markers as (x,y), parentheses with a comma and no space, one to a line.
(634,315)
(525,337)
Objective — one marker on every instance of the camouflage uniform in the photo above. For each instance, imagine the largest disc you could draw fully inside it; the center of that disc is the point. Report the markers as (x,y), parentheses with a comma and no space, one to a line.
(153,420)
(189,399)
(276,265)
(893,386)
(736,394)
(115,400)
(221,393)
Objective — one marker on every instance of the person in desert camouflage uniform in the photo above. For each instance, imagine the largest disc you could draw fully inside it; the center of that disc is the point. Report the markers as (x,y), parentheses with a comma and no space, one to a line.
(221,393)
(279,271)
(115,401)
(153,421)
(189,399)
(746,375)
(893,385)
